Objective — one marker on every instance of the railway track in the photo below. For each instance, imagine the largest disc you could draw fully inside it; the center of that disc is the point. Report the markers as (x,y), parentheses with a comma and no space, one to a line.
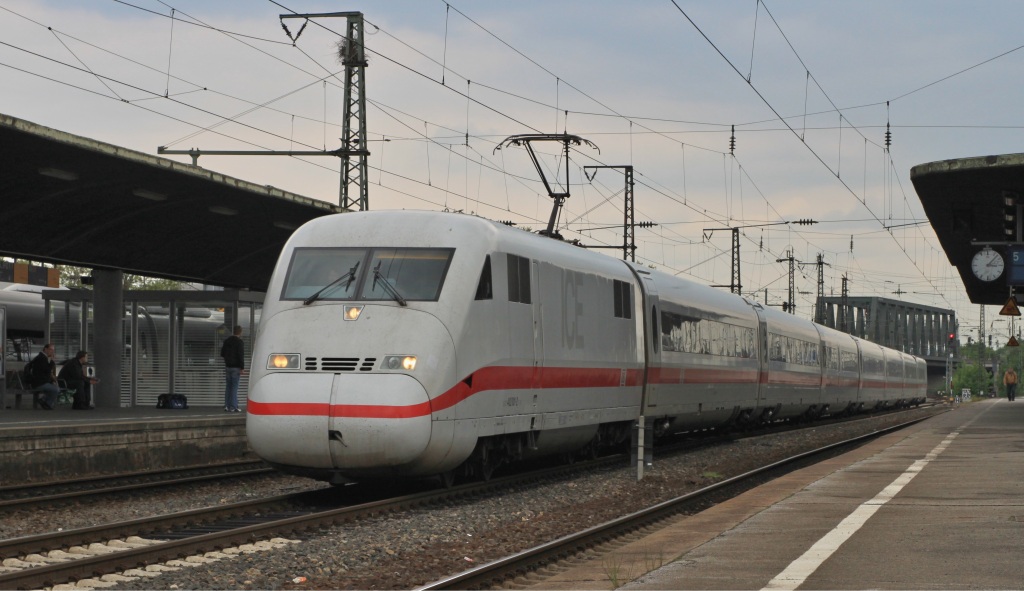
(22,496)
(147,541)
(137,543)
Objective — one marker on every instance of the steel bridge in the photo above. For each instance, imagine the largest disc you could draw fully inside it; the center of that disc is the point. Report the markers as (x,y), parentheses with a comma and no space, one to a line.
(912,328)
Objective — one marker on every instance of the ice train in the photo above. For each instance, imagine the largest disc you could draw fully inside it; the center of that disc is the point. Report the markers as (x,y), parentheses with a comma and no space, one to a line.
(405,344)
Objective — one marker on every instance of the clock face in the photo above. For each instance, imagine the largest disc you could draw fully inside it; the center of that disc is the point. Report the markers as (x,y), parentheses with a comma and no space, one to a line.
(987,265)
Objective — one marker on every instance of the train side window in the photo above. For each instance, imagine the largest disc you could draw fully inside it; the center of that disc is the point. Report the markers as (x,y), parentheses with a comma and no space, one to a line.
(484,289)
(623,295)
(518,279)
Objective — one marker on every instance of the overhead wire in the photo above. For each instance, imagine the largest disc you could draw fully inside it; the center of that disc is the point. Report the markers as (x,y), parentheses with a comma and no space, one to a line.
(496,167)
(777,114)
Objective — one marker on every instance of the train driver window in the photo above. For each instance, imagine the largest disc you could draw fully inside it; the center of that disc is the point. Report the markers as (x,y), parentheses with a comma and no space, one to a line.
(417,274)
(327,269)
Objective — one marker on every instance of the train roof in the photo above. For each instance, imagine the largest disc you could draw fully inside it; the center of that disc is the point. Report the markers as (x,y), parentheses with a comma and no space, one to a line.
(416,228)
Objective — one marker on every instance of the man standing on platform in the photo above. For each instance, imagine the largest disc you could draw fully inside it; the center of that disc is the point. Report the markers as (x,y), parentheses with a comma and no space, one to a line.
(233,352)
(1010,381)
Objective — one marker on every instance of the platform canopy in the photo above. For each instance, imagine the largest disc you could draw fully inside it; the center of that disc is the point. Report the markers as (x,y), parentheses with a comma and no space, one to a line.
(71,200)
(973,203)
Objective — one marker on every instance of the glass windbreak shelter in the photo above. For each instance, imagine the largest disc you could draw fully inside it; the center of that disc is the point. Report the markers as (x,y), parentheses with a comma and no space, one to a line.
(170,339)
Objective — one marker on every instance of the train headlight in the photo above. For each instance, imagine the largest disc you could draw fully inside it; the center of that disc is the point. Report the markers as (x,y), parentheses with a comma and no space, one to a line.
(353,312)
(283,361)
(406,362)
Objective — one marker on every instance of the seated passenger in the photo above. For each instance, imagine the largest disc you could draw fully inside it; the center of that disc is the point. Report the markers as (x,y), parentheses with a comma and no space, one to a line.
(73,374)
(43,377)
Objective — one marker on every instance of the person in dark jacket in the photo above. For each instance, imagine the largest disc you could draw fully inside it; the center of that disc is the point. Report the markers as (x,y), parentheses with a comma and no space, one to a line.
(43,377)
(233,352)
(73,374)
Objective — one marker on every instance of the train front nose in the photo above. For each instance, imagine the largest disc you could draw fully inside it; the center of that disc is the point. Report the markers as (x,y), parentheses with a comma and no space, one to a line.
(345,423)
(394,431)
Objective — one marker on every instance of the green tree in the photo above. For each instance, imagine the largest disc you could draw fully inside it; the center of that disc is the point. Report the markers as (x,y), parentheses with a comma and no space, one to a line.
(973,376)
(71,277)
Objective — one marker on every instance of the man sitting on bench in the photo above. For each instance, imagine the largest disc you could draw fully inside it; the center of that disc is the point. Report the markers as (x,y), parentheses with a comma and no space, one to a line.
(43,377)
(74,375)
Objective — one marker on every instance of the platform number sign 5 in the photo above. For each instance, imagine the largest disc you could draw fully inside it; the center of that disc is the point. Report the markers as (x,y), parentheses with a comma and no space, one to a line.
(1015,268)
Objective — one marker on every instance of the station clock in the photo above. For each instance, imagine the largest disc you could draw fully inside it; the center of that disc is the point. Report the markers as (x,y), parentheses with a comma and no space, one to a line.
(987,264)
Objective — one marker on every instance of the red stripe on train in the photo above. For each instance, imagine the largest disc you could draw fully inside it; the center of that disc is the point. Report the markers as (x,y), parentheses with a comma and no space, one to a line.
(547,378)
(483,380)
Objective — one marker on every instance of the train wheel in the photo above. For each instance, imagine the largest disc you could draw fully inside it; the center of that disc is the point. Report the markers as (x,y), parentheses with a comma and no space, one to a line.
(447,478)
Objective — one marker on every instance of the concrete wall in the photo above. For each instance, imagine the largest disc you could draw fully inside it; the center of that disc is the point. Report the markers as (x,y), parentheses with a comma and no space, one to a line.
(56,452)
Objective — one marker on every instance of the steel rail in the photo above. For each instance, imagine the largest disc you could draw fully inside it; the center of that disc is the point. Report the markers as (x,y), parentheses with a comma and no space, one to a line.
(12,495)
(159,481)
(51,574)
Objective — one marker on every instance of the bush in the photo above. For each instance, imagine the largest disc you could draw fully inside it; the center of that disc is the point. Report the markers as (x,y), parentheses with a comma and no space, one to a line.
(974,377)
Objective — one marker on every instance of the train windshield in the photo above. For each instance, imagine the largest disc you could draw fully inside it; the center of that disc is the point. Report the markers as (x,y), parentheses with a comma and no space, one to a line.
(314,269)
(416,274)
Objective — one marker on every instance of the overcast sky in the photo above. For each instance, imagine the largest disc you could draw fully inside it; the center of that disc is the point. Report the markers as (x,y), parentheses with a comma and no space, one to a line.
(654,84)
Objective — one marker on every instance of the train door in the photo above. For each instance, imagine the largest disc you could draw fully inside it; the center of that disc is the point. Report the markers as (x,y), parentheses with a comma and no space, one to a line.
(524,330)
(762,353)
(538,328)
(651,339)
(860,373)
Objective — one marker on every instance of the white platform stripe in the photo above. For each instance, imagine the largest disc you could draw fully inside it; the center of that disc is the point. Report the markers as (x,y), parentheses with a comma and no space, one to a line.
(797,572)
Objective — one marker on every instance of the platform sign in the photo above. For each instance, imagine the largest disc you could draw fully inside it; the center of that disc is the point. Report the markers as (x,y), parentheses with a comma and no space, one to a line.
(1015,265)
(29,274)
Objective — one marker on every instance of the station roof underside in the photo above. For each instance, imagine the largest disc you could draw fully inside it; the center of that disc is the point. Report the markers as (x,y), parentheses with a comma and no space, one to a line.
(964,201)
(70,200)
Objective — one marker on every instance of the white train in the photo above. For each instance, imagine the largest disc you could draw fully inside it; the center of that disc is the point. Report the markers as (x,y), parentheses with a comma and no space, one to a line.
(402,344)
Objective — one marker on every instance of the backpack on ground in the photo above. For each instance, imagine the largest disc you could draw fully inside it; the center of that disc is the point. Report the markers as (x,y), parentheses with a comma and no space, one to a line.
(175,401)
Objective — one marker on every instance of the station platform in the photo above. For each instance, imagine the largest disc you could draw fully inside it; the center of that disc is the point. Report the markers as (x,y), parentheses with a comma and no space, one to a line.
(42,446)
(939,505)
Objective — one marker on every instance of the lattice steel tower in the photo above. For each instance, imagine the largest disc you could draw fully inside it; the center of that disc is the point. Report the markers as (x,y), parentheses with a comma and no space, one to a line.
(353,127)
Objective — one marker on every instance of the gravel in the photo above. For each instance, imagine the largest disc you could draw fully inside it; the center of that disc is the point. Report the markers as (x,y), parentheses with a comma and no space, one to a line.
(412,548)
